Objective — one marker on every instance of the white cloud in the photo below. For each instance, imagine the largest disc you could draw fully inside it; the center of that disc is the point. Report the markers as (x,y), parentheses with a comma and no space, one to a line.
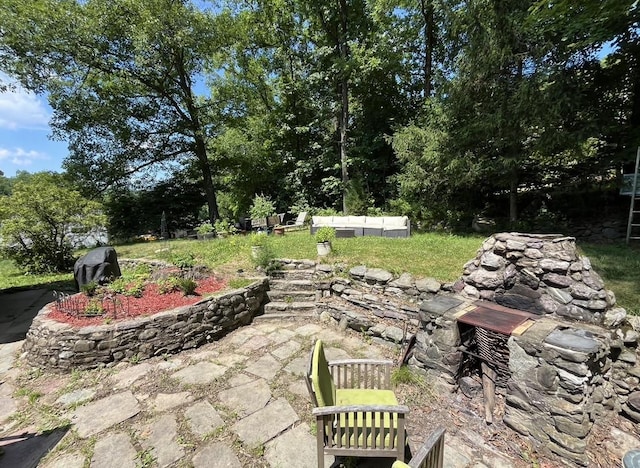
(20,108)
(21,157)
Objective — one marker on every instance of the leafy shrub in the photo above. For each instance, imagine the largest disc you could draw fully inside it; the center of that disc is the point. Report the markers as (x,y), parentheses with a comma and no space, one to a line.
(325,234)
(118,286)
(168,285)
(89,289)
(135,288)
(261,207)
(141,270)
(358,200)
(128,287)
(183,260)
(265,257)
(94,308)
(37,219)
(204,228)
(39,257)
(224,225)
(325,212)
(258,240)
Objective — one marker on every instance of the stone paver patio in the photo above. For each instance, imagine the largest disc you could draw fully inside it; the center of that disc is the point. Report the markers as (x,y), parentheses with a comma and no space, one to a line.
(238,402)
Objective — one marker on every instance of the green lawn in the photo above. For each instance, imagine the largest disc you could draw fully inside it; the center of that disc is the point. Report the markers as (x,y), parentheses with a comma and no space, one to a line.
(619,267)
(12,277)
(437,255)
(433,254)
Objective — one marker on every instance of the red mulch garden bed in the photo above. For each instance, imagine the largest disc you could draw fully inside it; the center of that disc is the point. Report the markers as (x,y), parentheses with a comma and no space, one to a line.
(127,307)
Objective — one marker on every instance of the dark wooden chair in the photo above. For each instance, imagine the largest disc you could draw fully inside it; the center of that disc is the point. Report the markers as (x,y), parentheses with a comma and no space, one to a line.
(430,454)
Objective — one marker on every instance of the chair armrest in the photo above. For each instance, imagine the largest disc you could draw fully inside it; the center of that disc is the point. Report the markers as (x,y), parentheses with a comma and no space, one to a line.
(335,410)
(361,373)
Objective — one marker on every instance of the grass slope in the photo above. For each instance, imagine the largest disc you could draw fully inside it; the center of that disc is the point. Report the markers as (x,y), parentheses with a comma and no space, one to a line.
(433,254)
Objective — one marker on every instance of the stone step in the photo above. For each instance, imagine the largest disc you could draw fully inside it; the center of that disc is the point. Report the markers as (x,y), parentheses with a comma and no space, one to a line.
(291,295)
(293,307)
(293,274)
(292,284)
(285,316)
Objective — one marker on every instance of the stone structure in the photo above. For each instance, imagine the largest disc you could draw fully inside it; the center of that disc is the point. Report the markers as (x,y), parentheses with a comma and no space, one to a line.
(55,345)
(542,274)
(562,379)
(562,374)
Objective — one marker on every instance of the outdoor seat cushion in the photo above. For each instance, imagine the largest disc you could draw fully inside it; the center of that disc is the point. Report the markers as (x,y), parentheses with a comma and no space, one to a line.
(373,222)
(322,220)
(395,222)
(368,397)
(351,221)
(364,396)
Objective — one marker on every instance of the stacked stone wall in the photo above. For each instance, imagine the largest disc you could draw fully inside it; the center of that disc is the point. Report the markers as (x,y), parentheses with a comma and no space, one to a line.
(559,385)
(542,274)
(54,345)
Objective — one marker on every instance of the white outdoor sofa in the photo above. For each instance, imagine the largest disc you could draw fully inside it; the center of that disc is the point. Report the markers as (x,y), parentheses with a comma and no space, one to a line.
(382,226)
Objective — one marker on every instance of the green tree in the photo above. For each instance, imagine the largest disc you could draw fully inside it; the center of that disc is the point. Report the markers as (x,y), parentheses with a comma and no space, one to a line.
(40,218)
(122,78)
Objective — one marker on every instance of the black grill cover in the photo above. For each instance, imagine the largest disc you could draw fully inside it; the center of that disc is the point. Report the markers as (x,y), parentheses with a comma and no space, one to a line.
(98,266)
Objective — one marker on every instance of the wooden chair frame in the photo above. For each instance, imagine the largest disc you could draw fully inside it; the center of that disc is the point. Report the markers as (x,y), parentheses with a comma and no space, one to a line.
(359,430)
(430,454)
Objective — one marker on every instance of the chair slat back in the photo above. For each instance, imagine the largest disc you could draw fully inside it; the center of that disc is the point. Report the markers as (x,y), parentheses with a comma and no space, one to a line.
(301,217)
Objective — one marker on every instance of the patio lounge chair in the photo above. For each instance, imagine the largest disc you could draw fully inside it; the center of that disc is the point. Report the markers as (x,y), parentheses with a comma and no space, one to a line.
(297,224)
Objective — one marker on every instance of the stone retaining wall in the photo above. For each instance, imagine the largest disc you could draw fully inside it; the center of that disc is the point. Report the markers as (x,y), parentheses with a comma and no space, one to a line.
(54,345)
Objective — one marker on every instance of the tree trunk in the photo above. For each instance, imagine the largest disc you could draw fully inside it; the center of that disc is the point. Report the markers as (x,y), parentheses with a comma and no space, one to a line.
(200,147)
(344,103)
(426,9)
(207,179)
(343,142)
(513,195)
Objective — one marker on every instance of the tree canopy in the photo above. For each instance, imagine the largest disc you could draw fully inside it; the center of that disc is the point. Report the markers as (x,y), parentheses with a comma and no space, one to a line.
(431,108)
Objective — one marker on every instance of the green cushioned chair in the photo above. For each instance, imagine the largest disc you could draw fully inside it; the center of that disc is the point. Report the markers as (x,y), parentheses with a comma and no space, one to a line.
(357,414)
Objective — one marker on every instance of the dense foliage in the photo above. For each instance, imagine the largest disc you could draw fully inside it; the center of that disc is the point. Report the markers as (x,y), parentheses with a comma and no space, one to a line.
(40,220)
(436,109)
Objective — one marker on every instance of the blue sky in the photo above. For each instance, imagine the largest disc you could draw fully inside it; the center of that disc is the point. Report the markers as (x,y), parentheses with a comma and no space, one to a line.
(24,131)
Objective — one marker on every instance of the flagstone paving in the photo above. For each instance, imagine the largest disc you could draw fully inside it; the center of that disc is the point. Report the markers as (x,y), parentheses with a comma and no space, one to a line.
(265,424)
(114,450)
(203,418)
(102,414)
(238,402)
(161,438)
(236,397)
